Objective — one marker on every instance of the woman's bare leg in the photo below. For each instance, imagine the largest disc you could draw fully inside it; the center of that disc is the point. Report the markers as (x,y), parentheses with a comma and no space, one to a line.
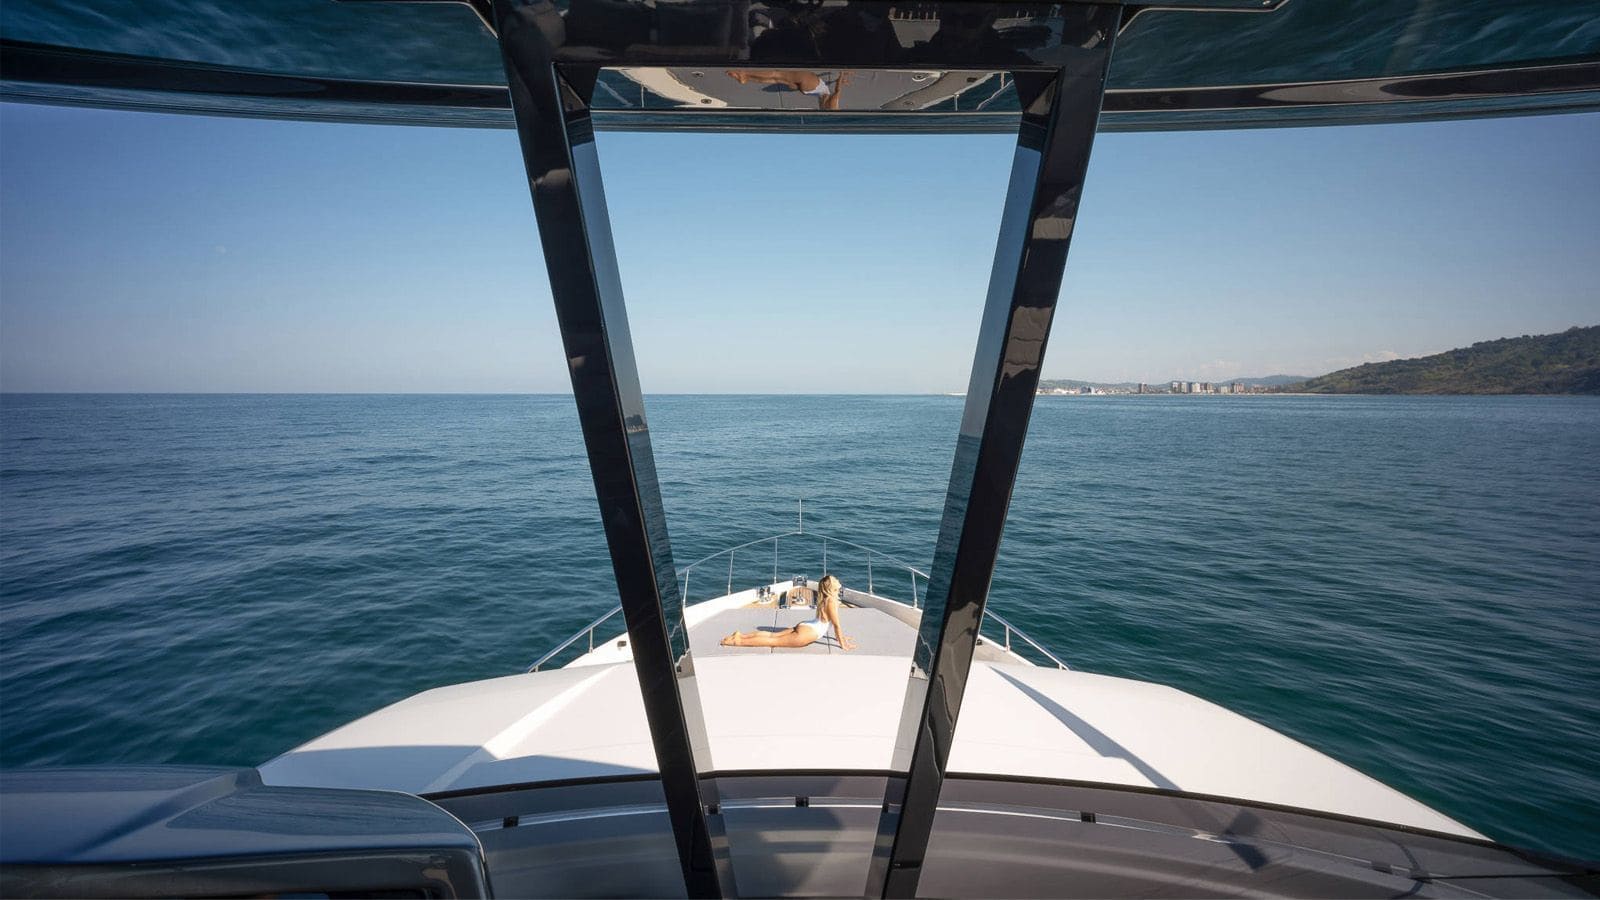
(794,637)
(793,79)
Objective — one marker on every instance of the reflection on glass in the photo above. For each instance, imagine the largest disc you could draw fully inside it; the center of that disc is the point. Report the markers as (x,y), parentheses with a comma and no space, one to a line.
(828,96)
(806,90)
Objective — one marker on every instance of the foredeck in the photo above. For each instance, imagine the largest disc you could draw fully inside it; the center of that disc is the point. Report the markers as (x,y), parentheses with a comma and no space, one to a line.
(874,633)
(762,712)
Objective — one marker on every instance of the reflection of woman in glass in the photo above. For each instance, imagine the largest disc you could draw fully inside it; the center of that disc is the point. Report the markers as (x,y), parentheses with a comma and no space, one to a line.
(808,632)
(797,80)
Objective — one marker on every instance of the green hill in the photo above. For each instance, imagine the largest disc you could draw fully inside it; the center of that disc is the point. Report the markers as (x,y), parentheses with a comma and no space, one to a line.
(1565,363)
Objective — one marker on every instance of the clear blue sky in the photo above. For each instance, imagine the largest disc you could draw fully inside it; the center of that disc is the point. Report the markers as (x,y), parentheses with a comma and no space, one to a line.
(170,253)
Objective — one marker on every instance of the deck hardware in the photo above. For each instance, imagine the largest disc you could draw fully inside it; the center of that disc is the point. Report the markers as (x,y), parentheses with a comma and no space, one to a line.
(1086,817)
(802,802)
(509,822)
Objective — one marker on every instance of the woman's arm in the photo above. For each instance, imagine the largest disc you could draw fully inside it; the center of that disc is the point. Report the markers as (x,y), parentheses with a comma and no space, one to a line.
(838,632)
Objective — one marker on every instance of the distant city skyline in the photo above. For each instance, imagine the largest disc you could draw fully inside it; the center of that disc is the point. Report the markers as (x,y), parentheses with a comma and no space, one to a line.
(144,252)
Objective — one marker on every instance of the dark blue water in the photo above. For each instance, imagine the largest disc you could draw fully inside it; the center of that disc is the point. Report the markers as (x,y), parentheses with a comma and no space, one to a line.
(1411,585)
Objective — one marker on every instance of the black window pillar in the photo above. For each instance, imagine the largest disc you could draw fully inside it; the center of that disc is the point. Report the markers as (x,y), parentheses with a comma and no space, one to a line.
(551,104)
(1060,111)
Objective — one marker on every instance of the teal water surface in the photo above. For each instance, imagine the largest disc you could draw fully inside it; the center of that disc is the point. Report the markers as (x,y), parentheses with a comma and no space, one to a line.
(1411,585)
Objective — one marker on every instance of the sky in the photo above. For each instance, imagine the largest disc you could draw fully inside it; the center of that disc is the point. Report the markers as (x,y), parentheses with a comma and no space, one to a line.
(147,252)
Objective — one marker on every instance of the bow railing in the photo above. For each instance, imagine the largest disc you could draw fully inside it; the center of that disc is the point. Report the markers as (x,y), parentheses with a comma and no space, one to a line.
(808,553)
(780,557)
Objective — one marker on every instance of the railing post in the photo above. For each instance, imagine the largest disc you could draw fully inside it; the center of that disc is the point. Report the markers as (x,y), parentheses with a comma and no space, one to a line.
(730,571)
(824,556)
(869,571)
(774,560)
(914,591)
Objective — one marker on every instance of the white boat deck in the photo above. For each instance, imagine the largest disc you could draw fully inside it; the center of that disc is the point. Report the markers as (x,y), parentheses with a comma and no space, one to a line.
(820,707)
(879,627)
(874,633)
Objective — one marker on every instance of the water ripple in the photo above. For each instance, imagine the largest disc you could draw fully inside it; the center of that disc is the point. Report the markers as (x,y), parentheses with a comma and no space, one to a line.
(1411,585)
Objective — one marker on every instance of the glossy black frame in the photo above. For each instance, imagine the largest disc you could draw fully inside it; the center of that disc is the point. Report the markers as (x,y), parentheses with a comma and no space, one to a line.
(1060,112)
(1061,88)
(551,105)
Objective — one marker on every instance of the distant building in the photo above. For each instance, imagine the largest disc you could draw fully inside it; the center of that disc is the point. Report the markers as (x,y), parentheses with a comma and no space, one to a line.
(1141,388)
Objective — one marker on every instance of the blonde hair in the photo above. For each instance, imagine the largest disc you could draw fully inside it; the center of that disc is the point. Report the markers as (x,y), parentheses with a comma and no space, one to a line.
(830,588)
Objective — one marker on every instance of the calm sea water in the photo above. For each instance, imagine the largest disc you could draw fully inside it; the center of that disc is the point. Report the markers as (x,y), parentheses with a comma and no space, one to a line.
(1411,585)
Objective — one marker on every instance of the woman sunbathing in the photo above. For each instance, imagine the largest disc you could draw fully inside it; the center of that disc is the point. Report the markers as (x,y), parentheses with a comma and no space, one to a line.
(828,96)
(807,632)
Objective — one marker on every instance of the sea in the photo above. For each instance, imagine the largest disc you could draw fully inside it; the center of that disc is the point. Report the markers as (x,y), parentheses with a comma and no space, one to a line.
(1408,584)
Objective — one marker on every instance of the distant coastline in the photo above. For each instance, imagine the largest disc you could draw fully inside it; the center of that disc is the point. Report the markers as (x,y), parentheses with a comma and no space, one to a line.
(1567,362)
(1564,363)
(1261,385)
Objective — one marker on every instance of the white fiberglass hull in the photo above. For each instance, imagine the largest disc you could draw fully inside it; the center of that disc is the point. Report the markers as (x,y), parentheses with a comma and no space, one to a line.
(822,708)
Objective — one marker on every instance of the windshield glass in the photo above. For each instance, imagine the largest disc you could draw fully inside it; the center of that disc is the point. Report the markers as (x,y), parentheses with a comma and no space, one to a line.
(287,436)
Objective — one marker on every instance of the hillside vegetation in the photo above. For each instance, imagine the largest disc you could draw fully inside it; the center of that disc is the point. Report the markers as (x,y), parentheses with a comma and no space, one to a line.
(1564,363)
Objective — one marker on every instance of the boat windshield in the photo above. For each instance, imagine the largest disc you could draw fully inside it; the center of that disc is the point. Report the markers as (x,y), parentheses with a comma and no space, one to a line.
(309,400)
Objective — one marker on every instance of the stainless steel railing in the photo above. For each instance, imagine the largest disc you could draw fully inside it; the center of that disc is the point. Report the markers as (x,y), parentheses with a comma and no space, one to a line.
(586,630)
(875,562)
(1012,630)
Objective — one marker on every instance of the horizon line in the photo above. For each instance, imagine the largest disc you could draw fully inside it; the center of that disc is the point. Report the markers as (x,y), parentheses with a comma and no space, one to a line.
(568,393)
(76,393)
